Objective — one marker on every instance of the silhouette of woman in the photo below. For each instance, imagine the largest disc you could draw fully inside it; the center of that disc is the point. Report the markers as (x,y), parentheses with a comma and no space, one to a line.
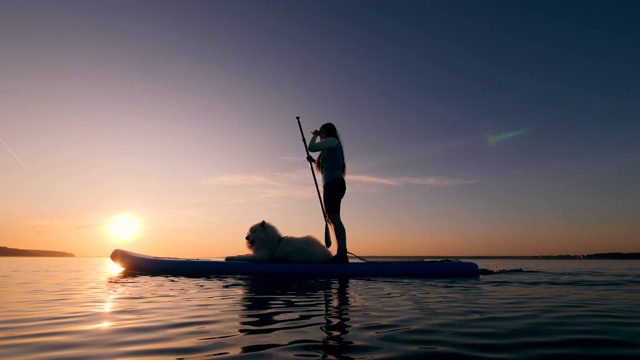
(330,163)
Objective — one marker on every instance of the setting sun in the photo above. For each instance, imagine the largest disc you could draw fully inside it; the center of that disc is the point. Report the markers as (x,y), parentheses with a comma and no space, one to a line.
(124,226)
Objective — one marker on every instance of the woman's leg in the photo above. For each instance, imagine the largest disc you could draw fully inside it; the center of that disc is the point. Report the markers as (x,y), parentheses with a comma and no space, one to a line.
(333,193)
(339,232)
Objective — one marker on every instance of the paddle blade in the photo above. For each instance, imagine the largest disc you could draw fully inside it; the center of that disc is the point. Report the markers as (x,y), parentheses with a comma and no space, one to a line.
(327,235)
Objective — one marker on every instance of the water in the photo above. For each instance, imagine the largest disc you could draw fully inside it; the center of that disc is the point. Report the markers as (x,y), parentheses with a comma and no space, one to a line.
(80,308)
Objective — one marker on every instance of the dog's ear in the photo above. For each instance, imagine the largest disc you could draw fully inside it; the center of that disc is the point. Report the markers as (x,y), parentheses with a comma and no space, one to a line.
(262,223)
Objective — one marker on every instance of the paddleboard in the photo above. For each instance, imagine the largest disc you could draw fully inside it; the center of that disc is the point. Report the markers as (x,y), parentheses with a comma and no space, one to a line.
(178,266)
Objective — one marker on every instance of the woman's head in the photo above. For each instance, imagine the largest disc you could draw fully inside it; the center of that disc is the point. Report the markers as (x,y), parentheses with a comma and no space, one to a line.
(329,130)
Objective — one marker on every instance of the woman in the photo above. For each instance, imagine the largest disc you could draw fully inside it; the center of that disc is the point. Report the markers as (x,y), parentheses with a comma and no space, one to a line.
(331,165)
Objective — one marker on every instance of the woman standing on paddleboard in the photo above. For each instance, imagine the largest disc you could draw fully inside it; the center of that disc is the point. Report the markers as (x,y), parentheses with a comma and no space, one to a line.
(332,166)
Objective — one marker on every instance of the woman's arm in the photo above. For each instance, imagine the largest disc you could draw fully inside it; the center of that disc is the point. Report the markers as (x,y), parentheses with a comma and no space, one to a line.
(314,137)
(327,143)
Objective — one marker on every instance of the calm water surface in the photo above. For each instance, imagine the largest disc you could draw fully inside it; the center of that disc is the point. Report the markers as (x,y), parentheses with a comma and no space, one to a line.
(81,308)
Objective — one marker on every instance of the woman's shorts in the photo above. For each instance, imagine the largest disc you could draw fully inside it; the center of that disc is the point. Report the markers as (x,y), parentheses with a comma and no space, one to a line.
(332,193)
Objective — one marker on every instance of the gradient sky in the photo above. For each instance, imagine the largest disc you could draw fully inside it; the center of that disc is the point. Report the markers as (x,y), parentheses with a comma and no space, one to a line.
(469,127)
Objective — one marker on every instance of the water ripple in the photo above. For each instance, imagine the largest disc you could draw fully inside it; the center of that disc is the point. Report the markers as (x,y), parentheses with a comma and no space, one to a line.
(68,309)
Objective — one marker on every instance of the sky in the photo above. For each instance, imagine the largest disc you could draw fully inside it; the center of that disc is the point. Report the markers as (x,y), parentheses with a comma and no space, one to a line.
(469,127)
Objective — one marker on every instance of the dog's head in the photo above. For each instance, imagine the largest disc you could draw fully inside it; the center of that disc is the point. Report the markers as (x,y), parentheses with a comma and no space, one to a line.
(260,235)
(252,234)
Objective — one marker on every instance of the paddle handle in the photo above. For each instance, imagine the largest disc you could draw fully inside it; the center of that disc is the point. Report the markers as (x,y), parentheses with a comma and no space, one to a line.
(313,173)
(327,237)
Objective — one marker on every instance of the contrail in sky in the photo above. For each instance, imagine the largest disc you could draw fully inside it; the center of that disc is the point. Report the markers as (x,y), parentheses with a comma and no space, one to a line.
(493,139)
(12,153)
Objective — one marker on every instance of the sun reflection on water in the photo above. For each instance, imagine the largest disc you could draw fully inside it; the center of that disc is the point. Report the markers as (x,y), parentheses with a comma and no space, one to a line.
(114,269)
(103,325)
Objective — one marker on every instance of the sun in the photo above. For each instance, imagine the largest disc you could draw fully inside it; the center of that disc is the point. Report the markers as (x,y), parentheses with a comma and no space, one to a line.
(124,226)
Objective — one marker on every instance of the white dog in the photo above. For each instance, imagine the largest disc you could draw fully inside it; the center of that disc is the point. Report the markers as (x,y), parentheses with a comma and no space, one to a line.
(266,244)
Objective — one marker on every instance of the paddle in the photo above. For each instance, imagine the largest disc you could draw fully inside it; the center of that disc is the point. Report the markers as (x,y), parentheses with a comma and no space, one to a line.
(327,235)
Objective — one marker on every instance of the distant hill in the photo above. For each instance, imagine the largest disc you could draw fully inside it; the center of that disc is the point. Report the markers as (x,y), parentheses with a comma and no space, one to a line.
(5,251)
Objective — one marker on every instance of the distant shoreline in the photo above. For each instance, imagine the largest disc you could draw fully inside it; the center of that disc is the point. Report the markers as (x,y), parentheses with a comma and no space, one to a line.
(11,252)
(599,256)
